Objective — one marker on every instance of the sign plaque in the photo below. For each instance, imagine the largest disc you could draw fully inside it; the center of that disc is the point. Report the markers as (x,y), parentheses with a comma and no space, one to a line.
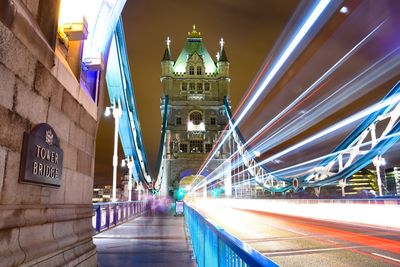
(41,157)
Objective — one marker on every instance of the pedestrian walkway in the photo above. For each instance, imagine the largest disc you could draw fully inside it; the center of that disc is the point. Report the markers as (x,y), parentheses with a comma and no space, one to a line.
(158,240)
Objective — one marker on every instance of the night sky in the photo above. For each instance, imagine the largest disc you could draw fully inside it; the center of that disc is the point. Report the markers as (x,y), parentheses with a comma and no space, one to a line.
(249,29)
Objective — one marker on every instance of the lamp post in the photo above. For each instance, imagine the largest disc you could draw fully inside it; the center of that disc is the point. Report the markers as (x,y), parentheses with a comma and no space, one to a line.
(129,163)
(379,161)
(116,111)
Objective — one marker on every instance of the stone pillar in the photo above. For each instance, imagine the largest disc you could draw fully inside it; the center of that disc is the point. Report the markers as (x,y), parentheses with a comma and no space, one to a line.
(42,225)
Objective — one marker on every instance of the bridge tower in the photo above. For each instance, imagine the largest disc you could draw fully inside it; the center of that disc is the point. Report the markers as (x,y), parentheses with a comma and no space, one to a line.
(196,86)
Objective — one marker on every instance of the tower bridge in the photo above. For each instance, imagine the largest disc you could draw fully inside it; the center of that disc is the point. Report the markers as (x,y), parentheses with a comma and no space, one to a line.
(259,185)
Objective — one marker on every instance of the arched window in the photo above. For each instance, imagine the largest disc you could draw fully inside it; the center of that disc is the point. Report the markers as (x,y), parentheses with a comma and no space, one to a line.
(196,117)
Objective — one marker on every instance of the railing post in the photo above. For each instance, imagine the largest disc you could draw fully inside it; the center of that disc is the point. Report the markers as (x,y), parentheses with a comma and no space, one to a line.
(115,214)
(108,216)
(122,211)
(98,218)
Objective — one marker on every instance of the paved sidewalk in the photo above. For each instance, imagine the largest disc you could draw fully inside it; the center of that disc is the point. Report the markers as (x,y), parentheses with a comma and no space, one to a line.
(156,241)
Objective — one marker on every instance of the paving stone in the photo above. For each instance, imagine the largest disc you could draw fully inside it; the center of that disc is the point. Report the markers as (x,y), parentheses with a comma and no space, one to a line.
(157,240)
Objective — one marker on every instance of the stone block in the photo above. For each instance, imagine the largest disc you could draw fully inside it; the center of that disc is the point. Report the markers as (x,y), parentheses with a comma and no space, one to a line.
(57,96)
(87,192)
(59,122)
(83,229)
(64,234)
(30,105)
(84,164)
(11,217)
(89,145)
(11,136)
(70,106)
(87,122)
(33,7)
(39,215)
(56,260)
(73,188)
(57,195)
(11,253)
(77,137)
(37,240)
(70,155)
(16,56)
(7,85)
(66,77)
(45,82)
(14,192)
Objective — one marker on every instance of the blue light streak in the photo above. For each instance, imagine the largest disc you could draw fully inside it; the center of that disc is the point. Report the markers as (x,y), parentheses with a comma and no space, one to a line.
(313,17)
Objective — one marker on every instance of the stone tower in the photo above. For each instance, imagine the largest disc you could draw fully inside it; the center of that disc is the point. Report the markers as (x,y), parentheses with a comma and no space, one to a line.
(196,86)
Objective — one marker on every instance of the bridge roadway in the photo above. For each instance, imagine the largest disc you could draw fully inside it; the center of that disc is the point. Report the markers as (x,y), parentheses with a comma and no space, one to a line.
(295,241)
(157,239)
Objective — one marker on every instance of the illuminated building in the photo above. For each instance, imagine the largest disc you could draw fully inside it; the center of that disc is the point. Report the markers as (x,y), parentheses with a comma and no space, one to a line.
(363,180)
(195,86)
(393,180)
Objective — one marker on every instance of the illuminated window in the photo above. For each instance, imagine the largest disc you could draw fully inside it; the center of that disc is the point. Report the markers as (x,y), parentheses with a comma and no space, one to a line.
(196,146)
(199,88)
(206,86)
(199,70)
(208,148)
(178,120)
(213,120)
(196,118)
(183,148)
(184,86)
(191,70)
(192,88)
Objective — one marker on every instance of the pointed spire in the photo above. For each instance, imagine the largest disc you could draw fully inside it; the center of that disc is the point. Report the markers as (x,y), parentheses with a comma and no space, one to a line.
(222,55)
(167,54)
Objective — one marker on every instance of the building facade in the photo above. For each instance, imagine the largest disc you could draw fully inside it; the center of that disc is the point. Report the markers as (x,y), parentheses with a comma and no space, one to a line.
(196,86)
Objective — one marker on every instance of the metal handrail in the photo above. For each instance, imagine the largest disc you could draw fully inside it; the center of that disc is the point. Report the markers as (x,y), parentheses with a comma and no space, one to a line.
(109,214)
(213,246)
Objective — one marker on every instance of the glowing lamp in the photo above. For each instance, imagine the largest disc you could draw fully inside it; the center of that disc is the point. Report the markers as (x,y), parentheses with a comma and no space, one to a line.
(107,112)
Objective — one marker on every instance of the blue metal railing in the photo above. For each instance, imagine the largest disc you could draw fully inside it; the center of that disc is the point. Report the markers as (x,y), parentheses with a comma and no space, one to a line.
(213,247)
(109,214)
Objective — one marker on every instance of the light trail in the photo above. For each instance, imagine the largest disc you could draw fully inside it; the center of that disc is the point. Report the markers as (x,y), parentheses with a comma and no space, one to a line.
(353,87)
(304,96)
(376,107)
(316,13)
(310,90)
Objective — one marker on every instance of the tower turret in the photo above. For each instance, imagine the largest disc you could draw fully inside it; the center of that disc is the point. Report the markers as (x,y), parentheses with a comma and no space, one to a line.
(223,63)
(167,62)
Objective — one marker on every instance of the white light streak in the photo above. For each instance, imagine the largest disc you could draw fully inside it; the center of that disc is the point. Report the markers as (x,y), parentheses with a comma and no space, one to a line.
(318,10)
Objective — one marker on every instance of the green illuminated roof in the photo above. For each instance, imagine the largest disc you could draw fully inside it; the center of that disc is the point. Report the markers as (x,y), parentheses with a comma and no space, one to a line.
(194,44)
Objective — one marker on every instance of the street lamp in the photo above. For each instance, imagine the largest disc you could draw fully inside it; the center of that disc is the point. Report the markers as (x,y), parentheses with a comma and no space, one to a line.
(129,163)
(116,111)
(379,161)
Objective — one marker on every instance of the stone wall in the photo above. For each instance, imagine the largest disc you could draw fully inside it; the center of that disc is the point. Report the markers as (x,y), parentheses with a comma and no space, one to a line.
(39,225)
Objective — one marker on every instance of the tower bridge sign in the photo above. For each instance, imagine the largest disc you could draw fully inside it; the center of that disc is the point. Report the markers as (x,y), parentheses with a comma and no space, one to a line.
(41,157)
